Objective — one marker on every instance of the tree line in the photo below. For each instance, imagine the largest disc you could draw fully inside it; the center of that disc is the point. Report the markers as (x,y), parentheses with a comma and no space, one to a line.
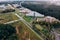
(47,10)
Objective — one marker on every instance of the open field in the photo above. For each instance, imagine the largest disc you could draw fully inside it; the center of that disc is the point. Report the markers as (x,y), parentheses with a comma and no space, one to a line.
(6,17)
(24,32)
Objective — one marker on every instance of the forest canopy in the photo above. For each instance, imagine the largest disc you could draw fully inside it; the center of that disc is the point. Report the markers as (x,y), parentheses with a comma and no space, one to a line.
(7,32)
(47,10)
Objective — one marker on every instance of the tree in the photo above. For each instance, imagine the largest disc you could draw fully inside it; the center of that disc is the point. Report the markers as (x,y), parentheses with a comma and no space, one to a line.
(7,32)
(47,10)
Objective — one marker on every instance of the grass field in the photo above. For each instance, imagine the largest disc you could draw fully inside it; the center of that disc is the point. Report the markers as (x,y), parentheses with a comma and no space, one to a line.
(7,17)
(24,32)
(38,26)
(27,18)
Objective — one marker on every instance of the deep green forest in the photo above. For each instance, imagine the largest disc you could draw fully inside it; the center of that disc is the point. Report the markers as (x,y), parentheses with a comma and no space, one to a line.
(47,10)
(7,32)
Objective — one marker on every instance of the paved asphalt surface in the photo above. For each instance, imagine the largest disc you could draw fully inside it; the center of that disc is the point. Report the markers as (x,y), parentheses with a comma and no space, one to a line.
(57,36)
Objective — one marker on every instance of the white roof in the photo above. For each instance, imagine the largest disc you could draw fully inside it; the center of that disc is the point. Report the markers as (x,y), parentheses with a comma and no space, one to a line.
(36,14)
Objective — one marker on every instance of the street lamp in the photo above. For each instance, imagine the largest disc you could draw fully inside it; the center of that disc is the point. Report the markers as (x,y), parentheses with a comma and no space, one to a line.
(33,14)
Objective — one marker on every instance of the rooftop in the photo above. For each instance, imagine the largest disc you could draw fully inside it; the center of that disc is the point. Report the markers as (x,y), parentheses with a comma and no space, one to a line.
(36,14)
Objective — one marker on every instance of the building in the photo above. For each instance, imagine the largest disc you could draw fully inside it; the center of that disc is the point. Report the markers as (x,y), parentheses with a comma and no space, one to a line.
(24,10)
(50,19)
(15,5)
(36,14)
(47,19)
(40,19)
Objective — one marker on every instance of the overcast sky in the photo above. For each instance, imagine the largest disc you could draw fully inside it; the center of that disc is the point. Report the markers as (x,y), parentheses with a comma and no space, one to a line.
(30,0)
(52,1)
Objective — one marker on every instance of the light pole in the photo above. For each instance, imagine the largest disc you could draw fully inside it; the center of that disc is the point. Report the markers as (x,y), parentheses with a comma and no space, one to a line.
(33,14)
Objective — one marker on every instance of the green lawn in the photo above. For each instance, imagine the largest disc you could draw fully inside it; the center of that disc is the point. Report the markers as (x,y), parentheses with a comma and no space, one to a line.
(38,26)
(27,18)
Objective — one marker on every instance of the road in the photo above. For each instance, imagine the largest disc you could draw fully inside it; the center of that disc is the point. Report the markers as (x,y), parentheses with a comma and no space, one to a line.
(28,25)
(23,20)
(11,21)
(57,36)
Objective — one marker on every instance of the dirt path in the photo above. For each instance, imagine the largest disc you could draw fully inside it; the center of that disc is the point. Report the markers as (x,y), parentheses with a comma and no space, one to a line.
(17,32)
